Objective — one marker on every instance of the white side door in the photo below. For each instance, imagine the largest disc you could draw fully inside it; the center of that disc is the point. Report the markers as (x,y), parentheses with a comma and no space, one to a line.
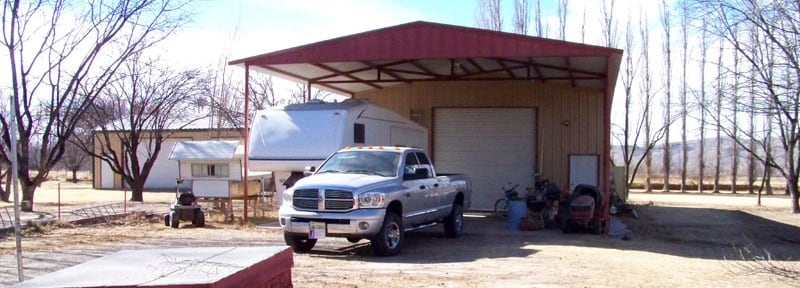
(583,169)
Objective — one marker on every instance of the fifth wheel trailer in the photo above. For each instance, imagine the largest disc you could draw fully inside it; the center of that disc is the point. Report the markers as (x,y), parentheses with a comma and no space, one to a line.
(287,139)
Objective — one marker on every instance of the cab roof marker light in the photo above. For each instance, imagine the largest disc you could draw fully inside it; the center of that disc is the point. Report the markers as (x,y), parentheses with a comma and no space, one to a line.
(347,147)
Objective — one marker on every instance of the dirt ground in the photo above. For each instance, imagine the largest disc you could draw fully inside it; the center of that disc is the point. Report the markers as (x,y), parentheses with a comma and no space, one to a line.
(679,240)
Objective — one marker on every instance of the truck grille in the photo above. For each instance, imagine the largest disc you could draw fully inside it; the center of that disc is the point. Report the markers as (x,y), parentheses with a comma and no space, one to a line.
(338,200)
(333,200)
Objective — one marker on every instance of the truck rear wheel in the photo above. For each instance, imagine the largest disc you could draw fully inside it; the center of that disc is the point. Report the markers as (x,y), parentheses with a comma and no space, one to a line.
(454,223)
(390,238)
(299,243)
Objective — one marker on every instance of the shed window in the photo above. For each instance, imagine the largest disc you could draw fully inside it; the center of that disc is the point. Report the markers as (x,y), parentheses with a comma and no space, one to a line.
(210,170)
(359,135)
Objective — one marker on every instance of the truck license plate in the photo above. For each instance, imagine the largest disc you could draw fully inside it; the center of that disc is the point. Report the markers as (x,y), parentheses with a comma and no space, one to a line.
(316,230)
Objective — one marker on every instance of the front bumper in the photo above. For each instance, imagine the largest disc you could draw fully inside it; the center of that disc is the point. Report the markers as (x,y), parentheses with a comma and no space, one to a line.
(356,223)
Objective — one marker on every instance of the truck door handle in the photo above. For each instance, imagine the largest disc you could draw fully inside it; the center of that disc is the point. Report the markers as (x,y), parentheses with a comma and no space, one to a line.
(435,185)
(407,194)
(421,186)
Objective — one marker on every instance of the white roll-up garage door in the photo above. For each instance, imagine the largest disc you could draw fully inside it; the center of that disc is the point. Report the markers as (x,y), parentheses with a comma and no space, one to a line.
(493,146)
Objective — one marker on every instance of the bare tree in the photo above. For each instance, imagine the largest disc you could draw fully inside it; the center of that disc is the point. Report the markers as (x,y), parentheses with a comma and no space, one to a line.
(647,92)
(300,92)
(634,128)
(718,117)
(140,110)
(74,157)
(488,15)
(703,60)
(537,15)
(751,159)
(5,163)
(522,17)
(735,119)
(684,89)
(62,54)
(227,97)
(583,26)
(775,62)
(609,23)
(667,44)
(563,6)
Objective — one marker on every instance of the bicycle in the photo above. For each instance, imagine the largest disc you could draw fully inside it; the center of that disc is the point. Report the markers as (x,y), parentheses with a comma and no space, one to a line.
(501,205)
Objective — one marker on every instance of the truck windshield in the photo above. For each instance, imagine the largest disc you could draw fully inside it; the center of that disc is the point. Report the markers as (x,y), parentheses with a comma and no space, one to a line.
(382,163)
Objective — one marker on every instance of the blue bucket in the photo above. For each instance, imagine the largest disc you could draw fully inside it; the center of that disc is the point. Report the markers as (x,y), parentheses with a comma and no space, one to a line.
(517,211)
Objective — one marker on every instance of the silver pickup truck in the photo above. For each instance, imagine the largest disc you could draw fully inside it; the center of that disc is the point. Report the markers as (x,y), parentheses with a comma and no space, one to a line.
(375,193)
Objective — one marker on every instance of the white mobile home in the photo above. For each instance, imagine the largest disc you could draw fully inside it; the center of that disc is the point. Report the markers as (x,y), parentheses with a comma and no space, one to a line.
(286,140)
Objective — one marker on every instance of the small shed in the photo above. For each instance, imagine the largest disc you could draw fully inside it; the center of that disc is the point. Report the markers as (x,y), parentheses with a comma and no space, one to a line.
(214,170)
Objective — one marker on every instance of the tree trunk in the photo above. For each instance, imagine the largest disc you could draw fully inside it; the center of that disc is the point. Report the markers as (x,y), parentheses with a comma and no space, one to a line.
(768,180)
(74,175)
(791,188)
(137,191)
(27,197)
(5,192)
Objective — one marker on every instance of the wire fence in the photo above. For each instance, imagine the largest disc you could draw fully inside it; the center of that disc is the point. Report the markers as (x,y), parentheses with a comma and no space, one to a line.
(7,217)
(99,211)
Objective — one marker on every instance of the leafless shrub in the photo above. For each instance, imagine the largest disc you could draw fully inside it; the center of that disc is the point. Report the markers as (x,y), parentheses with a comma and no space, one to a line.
(751,260)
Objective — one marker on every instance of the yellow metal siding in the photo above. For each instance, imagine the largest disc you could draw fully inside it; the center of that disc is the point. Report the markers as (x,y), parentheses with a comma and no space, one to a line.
(554,103)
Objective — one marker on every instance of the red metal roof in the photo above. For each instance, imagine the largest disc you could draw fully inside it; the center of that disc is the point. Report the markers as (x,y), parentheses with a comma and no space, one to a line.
(424,51)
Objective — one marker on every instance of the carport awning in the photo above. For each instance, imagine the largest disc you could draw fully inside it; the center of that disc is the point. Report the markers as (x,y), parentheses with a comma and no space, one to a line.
(424,51)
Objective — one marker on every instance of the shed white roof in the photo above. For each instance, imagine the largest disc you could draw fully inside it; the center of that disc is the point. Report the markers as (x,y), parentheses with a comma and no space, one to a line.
(204,150)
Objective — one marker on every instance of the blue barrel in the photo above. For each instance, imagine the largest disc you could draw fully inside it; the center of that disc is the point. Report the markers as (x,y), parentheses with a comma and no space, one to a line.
(517,211)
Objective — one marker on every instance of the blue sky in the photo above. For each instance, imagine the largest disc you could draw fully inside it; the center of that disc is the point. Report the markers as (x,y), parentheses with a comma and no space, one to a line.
(229,30)
(245,28)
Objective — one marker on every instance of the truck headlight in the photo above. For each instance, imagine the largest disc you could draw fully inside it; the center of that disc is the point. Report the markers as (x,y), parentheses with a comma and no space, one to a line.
(287,198)
(370,200)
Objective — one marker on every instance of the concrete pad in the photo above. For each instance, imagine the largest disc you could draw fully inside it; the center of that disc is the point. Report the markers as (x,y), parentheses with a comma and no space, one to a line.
(186,267)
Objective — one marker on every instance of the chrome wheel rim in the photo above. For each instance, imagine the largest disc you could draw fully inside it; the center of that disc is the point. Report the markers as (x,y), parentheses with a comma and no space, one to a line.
(392,235)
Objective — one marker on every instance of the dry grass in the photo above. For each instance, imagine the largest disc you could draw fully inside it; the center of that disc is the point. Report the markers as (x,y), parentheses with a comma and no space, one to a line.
(49,237)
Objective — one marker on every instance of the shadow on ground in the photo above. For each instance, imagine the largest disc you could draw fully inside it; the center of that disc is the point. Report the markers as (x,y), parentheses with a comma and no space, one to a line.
(686,232)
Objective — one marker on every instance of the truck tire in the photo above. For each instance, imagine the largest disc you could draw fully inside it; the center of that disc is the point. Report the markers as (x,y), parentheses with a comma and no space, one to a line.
(390,238)
(299,243)
(454,223)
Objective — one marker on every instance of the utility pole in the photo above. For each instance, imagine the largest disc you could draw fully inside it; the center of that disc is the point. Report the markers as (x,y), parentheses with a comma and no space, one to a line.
(15,184)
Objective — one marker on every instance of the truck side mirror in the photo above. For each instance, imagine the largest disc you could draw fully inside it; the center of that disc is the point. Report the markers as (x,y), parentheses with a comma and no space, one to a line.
(309,170)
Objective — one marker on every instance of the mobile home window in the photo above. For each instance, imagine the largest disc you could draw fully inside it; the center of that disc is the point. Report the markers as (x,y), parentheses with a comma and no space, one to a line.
(210,170)
(359,135)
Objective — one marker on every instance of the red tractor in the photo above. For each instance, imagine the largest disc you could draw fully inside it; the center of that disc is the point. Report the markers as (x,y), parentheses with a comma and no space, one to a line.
(583,210)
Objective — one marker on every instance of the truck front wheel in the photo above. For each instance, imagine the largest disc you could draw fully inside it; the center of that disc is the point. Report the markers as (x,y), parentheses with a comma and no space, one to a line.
(299,243)
(390,238)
